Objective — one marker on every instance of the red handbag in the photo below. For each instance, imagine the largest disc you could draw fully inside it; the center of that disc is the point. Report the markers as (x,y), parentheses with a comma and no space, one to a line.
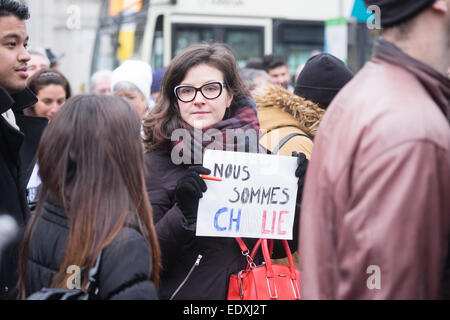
(267,281)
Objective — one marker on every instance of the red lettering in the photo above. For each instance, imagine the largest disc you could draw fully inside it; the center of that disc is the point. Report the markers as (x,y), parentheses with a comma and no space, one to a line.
(264,231)
(280,221)
(264,221)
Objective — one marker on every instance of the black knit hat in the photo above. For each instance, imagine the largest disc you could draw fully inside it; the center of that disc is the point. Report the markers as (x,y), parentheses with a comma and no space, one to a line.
(394,12)
(322,78)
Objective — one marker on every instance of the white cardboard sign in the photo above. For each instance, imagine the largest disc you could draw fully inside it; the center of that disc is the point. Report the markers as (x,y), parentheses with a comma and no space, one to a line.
(255,199)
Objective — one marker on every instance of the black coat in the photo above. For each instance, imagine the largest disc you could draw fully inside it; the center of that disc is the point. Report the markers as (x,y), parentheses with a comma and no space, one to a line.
(180,248)
(124,272)
(17,157)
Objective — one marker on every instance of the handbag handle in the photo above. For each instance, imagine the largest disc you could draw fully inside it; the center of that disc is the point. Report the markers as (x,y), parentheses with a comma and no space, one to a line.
(268,254)
(270,277)
(246,252)
(267,249)
(255,248)
(250,256)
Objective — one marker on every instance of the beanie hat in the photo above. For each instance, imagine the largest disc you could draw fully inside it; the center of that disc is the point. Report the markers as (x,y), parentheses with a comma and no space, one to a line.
(158,76)
(138,73)
(322,78)
(394,12)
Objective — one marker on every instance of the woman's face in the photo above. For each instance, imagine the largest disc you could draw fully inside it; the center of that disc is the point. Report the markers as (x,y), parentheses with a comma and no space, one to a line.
(202,112)
(51,98)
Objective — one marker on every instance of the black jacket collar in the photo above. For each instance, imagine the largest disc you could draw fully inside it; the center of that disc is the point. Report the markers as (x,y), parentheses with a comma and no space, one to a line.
(18,101)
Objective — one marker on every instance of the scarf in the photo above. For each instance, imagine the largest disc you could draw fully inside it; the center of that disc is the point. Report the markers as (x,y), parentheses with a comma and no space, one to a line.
(435,83)
(240,133)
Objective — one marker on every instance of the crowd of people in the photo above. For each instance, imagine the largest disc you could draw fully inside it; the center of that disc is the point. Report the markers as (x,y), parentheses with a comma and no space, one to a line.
(91,181)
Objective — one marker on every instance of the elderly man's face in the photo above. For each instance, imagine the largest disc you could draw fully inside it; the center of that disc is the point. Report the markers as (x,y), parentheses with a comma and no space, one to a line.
(36,63)
(102,86)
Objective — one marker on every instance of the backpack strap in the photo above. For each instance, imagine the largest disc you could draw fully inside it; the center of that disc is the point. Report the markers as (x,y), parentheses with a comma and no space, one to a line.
(286,139)
(92,286)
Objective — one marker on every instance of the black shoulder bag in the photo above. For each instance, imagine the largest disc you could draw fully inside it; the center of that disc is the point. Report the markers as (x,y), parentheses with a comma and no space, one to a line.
(74,294)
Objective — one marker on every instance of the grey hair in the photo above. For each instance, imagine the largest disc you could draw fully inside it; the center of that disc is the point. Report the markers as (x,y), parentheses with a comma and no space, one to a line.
(97,76)
(40,52)
(127,86)
(248,75)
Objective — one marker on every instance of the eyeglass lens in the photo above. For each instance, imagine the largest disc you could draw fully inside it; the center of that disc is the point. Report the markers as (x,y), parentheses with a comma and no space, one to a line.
(209,91)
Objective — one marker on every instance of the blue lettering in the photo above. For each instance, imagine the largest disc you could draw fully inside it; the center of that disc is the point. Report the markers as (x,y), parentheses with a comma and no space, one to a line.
(237,220)
(216,219)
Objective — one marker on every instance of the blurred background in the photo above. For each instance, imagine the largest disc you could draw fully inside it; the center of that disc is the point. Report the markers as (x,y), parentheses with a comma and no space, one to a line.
(89,35)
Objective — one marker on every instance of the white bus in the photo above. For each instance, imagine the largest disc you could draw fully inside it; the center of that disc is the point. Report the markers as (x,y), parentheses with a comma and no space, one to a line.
(156,30)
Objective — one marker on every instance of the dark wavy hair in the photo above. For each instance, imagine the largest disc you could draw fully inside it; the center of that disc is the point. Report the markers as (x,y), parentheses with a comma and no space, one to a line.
(91,161)
(14,8)
(272,61)
(165,116)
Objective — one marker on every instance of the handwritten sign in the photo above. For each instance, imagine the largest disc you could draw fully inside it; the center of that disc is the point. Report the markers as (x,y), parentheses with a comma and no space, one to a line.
(255,199)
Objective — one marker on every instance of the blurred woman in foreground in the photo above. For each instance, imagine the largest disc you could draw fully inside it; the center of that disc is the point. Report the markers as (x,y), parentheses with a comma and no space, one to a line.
(93,200)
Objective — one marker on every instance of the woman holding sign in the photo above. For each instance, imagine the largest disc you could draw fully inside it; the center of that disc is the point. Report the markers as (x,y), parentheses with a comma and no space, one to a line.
(201,91)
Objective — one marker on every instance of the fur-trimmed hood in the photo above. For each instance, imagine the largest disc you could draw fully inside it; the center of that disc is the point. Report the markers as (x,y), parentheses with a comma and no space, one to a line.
(288,110)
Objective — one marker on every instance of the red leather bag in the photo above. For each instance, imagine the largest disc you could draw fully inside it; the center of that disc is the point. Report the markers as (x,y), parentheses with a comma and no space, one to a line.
(268,281)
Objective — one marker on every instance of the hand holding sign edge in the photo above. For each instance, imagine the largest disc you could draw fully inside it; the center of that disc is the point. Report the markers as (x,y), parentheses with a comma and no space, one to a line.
(189,190)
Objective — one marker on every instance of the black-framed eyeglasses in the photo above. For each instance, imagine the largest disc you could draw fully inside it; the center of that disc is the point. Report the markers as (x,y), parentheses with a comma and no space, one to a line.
(210,90)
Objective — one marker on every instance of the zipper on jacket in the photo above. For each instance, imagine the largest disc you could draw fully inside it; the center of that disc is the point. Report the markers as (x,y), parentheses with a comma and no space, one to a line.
(196,264)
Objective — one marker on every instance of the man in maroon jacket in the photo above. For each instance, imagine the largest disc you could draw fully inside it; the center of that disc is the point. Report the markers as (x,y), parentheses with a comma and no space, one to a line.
(375,219)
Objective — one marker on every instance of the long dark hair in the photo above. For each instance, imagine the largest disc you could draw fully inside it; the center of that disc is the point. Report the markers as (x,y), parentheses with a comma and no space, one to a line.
(165,117)
(91,161)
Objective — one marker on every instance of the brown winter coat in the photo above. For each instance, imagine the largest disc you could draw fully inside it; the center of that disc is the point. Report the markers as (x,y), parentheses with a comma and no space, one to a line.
(281,113)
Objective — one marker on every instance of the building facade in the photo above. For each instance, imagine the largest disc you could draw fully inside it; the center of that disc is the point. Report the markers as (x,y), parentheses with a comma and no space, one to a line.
(68,28)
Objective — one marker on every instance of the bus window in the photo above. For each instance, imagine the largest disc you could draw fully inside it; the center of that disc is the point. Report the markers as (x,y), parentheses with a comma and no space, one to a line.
(120,33)
(131,36)
(245,43)
(186,35)
(107,45)
(157,58)
(138,40)
(296,41)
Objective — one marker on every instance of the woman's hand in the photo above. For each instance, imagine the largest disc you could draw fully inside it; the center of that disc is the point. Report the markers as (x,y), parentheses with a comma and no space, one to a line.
(189,190)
